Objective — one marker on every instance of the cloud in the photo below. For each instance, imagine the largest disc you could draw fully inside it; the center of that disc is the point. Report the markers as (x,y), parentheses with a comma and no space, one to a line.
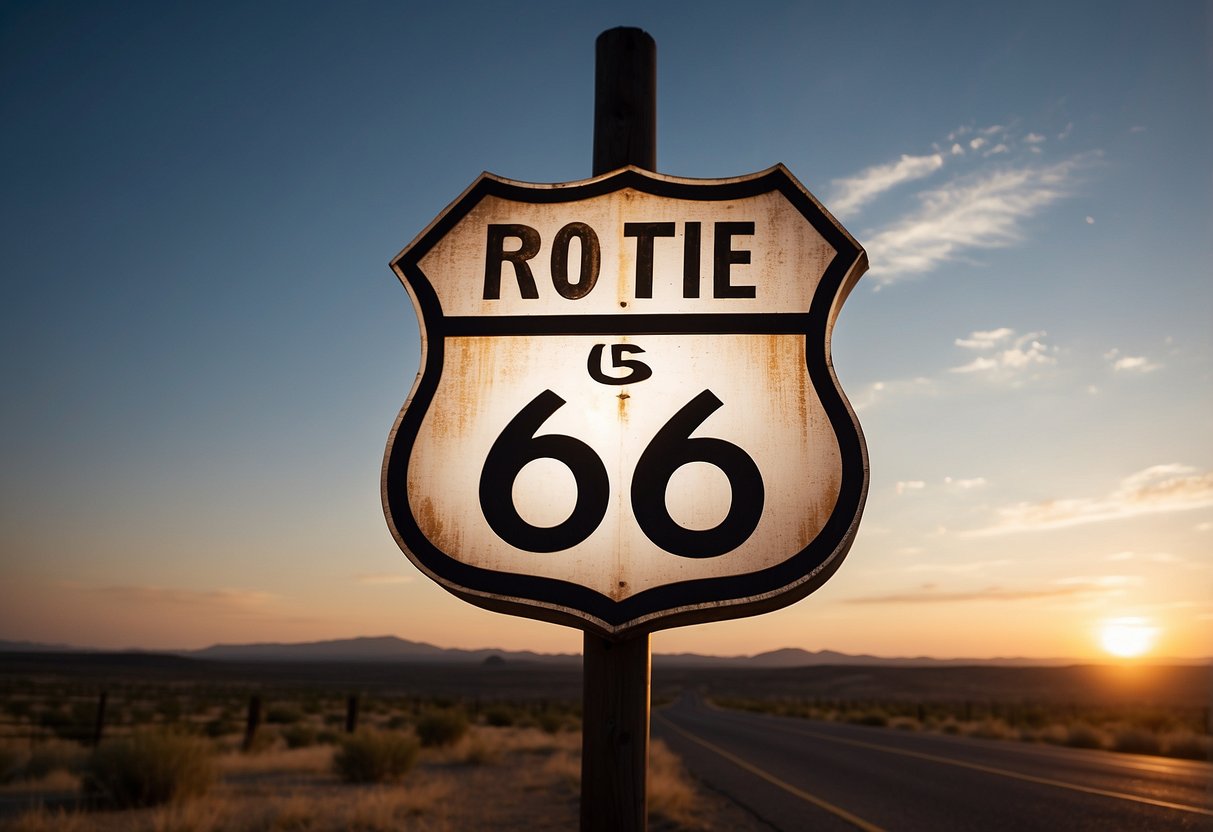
(1130,363)
(965,484)
(1104,585)
(959,568)
(910,485)
(212,602)
(984,210)
(957,150)
(1017,356)
(1165,558)
(977,143)
(1034,138)
(931,594)
(384,579)
(879,391)
(997,150)
(1159,489)
(853,193)
(984,339)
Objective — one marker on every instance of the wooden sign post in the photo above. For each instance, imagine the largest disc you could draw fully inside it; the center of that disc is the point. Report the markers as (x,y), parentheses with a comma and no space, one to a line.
(626,417)
(616,675)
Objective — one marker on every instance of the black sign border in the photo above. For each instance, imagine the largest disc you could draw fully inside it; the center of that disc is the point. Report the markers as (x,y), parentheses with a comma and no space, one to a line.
(686,602)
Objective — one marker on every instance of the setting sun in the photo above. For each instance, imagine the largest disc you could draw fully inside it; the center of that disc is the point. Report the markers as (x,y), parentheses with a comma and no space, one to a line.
(1127,637)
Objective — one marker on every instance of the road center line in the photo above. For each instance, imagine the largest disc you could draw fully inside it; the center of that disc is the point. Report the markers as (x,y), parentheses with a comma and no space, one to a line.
(772,779)
(1030,778)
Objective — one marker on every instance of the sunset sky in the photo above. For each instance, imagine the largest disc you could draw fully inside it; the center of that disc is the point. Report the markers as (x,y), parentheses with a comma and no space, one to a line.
(204,348)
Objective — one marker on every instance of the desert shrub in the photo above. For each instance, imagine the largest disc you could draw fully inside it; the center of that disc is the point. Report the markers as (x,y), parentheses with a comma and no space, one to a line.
(283,715)
(550,723)
(375,756)
(11,764)
(1053,734)
(1136,741)
(991,729)
(950,726)
(19,708)
(170,709)
(74,722)
(327,737)
(441,728)
(397,722)
(299,736)
(1188,745)
(219,727)
(905,723)
(149,768)
(266,739)
(499,716)
(54,756)
(480,751)
(877,719)
(1082,735)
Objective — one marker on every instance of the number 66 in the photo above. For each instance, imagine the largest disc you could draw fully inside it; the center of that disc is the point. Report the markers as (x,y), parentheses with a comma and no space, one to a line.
(670,449)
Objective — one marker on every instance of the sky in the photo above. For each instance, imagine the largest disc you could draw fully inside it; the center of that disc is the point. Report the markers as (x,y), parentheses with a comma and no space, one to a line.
(204,348)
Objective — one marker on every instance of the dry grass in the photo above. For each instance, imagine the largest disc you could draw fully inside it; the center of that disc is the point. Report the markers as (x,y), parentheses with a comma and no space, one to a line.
(56,781)
(494,778)
(46,820)
(672,794)
(314,759)
(419,806)
(148,768)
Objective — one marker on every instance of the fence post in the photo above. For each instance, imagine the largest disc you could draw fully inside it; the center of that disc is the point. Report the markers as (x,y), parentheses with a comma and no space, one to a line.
(99,722)
(254,721)
(351,713)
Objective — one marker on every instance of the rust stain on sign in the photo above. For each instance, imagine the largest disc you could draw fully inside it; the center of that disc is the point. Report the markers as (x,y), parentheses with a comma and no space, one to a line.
(627,417)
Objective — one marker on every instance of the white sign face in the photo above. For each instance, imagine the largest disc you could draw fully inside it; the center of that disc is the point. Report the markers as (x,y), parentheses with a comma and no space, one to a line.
(626,417)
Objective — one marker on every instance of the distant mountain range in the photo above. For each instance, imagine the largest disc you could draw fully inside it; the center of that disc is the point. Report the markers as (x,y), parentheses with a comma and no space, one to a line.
(392,649)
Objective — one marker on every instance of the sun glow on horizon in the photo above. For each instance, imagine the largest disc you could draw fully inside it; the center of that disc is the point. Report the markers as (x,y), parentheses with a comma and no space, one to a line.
(1127,637)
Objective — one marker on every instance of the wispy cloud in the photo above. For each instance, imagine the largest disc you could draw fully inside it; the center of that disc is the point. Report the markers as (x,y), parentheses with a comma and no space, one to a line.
(385,579)
(908,486)
(985,339)
(1155,490)
(229,601)
(984,210)
(960,568)
(880,391)
(965,484)
(1164,558)
(853,193)
(1007,356)
(932,594)
(1106,585)
(1122,363)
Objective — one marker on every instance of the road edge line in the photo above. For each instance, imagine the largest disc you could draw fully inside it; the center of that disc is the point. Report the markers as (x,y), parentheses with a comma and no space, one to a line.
(772,779)
(1030,778)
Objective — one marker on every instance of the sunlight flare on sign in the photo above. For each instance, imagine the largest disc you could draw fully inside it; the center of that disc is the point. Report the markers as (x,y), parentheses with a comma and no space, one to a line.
(1127,637)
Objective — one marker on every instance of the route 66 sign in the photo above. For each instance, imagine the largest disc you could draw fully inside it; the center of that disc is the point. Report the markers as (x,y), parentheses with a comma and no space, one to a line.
(626,416)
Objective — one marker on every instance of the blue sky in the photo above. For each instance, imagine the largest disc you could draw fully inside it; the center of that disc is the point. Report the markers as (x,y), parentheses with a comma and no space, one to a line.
(204,349)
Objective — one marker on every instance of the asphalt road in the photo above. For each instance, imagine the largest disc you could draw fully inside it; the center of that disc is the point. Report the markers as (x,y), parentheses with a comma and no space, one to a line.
(795,774)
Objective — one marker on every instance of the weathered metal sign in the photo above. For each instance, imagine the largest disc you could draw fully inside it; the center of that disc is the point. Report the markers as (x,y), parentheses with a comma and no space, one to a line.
(626,416)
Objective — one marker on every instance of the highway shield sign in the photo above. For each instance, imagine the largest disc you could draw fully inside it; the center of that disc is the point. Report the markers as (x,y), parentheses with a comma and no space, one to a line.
(627,417)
